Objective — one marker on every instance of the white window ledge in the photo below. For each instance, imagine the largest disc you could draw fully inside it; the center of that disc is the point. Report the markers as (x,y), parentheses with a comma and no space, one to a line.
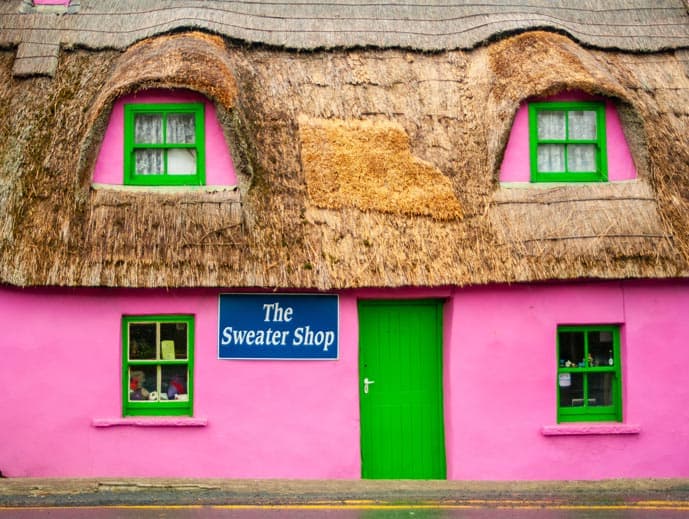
(152,421)
(579,429)
(164,189)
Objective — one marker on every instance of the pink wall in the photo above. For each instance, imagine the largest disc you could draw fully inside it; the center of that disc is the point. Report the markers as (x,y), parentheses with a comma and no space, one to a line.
(51,2)
(515,339)
(516,161)
(109,168)
(300,419)
(265,419)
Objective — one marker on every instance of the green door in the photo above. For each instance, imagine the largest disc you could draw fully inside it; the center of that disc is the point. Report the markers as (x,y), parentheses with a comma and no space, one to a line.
(401,389)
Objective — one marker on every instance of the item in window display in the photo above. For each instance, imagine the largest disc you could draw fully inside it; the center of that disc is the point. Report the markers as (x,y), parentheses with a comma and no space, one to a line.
(153,395)
(168,349)
(136,389)
(175,388)
(610,360)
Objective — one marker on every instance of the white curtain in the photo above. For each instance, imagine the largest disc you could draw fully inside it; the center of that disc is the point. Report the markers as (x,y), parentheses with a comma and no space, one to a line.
(581,124)
(149,162)
(551,125)
(581,157)
(180,129)
(551,158)
(148,128)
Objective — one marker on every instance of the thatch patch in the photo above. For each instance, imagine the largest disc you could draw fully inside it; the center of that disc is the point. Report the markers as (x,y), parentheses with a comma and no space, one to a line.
(368,165)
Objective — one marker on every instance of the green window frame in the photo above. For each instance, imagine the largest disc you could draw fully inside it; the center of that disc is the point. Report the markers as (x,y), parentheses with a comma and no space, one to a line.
(589,384)
(567,142)
(157,365)
(159,147)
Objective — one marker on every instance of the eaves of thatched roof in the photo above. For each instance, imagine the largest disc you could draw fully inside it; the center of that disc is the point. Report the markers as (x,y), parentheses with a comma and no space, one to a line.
(630,25)
(357,166)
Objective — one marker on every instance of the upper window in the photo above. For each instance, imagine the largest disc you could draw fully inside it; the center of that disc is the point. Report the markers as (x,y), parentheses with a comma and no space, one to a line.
(588,374)
(164,144)
(157,370)
(567,142)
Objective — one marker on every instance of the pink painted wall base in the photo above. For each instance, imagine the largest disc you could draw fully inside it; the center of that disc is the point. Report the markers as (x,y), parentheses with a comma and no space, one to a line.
(61,411)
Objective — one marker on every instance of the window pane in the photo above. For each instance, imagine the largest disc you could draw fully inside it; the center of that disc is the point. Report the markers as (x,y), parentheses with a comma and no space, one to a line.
(149,162)
(582,124)
(148,128)
(174,383)
(142,341)
(600,389)
(180,129)
(173,338)
(143,381)
(601,348)
(571,348)
(551,158)
(181,162)
(571,390)
(581,157)
(551,125)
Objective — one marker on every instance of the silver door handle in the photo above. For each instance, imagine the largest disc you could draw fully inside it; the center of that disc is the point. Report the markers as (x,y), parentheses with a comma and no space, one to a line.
(367,383)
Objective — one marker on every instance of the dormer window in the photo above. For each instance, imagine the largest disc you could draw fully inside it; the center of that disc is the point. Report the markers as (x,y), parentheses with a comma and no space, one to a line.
(567,142)
(164,138)
(164,144)
(572,137)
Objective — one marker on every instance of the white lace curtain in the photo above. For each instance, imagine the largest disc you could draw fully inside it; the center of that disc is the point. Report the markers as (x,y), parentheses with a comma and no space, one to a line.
(581,125)
(148,129)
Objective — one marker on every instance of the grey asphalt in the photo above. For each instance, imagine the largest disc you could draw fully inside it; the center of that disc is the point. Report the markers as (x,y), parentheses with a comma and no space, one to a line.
(651,493)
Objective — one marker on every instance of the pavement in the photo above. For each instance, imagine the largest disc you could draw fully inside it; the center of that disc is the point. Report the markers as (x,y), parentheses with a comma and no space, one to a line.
(649,493)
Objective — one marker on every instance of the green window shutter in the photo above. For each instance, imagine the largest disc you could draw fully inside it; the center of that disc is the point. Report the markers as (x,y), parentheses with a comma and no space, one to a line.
(164,144)
(567,142)
(589,384)
(157,365)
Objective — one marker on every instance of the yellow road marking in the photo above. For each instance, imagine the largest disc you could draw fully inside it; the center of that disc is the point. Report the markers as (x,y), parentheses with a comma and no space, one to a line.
(369,505)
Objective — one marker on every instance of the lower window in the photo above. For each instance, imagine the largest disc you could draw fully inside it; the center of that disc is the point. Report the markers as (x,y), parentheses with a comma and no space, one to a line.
(157,374)
(588,374)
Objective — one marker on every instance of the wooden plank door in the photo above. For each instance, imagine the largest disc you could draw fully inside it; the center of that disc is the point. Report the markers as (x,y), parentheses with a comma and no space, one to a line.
(401,389)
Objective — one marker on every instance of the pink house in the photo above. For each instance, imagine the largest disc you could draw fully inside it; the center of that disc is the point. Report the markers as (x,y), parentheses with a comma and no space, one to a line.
(464,257)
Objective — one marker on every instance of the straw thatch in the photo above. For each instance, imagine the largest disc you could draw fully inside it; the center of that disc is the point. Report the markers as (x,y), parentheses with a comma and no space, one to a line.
(368,165)
(634,25)
(298,122)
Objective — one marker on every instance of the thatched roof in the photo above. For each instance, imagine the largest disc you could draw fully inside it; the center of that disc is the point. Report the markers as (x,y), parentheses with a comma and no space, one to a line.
(631,25)
(316,206)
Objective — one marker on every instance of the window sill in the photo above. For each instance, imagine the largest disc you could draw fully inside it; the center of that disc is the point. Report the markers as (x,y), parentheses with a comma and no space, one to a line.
(164,189)
(152,421)
(580,429)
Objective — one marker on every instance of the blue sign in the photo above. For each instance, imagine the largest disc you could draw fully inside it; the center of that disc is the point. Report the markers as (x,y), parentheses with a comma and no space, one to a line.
(278,326)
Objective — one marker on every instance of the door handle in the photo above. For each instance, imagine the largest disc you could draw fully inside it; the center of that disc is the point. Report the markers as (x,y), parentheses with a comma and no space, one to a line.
(367,383)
